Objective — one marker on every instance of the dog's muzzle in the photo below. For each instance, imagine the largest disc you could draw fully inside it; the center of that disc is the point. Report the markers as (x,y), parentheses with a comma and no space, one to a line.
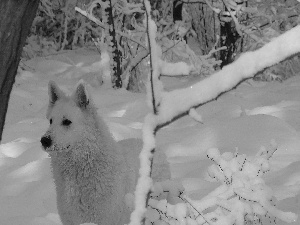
(46,141)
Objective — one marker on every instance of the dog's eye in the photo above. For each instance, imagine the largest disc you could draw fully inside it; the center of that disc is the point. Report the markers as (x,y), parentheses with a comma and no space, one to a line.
(66,122)
(50,121)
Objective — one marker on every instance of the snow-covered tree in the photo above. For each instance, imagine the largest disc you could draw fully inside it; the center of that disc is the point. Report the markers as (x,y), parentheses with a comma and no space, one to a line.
(169,106)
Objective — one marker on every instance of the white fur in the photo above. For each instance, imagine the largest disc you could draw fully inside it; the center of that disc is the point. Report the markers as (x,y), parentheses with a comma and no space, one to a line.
(92,173)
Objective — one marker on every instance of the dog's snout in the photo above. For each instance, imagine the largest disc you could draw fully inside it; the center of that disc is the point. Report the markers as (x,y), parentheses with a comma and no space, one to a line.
(46,141)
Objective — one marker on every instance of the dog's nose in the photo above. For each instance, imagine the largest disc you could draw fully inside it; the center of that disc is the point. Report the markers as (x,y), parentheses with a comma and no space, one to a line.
(46,141)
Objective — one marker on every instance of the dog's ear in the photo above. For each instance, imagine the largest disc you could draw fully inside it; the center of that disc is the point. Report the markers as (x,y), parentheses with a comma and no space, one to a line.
(54,92)
(80,96)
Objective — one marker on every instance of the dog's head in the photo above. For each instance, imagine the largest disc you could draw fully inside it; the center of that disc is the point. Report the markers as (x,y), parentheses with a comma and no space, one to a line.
(67,116)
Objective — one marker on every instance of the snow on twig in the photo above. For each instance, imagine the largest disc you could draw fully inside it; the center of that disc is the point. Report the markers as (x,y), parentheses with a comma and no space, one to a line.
(154,59)
(144,182)
(91,17)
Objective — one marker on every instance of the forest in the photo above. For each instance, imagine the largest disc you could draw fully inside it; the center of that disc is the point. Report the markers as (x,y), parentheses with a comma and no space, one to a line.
(205,34)
(211,85)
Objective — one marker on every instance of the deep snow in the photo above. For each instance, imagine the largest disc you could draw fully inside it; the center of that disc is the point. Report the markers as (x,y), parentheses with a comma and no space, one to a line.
(247,117)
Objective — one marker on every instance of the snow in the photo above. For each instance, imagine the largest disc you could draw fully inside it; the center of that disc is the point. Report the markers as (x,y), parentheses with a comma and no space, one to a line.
(241,120)
(175,69)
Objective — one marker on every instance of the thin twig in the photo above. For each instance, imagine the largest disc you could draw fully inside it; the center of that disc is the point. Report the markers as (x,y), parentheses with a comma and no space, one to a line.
(151,62)
(200,214)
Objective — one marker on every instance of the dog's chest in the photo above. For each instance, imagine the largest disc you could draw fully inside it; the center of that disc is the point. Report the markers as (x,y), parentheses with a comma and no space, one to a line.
(71,190)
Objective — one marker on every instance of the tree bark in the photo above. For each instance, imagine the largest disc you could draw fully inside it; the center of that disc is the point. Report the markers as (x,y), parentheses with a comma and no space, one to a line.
(206,25)
(16,18)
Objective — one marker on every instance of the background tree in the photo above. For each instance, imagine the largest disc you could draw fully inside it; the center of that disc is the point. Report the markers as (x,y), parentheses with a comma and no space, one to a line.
(229,37)
(16,17)
(117,55)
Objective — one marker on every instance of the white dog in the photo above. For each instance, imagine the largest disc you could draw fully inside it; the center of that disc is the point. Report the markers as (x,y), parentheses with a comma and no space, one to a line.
(92,173)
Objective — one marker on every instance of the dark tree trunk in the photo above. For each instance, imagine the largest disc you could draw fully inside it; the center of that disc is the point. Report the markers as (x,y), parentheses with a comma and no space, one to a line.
(16,17)
(177,10)
(116,53)
(206,25)
(229,38)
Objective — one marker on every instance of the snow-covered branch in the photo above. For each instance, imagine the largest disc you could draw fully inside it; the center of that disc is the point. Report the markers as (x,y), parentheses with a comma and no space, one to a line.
(179,102)
(144,183)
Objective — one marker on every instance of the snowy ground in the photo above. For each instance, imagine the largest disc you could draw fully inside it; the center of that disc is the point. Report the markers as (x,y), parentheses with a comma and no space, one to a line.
(245,118)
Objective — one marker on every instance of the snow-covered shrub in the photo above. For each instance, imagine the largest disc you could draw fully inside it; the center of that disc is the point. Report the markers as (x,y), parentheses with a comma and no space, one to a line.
(242,198)
(57,27)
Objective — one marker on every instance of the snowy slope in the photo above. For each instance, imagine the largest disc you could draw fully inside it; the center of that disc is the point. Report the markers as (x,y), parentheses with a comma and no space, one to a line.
(245,118)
